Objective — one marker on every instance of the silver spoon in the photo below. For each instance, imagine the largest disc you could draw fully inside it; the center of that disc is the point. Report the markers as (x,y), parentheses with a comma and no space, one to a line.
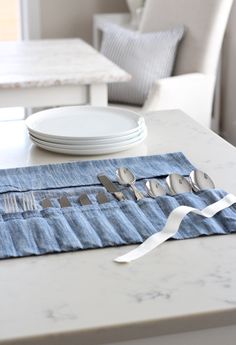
(201,181)
(127,178)
(154,188)
(178,184)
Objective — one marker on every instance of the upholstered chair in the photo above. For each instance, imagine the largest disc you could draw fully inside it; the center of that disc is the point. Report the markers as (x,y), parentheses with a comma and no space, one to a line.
(191,87)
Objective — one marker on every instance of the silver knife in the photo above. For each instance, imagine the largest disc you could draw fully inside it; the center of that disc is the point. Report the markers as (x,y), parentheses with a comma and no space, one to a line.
(102,198)
(64,202)
(84,199)
(110,187)
(46,203)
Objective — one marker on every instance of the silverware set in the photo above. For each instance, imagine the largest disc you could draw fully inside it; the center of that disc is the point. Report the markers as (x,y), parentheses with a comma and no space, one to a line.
(27,202)
(174,184)
(110,187)
(197,181)
(83,200)
(127,178)
(154,188)
(10,203)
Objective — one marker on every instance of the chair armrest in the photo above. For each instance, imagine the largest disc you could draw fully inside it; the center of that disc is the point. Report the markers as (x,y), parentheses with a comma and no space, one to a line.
(192,93)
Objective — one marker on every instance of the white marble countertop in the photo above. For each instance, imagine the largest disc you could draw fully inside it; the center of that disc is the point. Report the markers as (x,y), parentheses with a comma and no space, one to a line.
(43,63)
(85,298)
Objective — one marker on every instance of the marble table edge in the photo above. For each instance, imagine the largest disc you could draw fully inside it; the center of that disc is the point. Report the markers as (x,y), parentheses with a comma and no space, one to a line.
(133,330)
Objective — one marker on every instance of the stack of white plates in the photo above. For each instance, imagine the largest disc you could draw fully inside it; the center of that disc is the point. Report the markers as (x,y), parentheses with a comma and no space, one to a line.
(86,130)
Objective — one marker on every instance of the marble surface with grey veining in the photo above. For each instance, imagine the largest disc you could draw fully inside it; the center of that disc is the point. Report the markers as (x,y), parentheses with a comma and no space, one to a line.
(42,63)
(86,298)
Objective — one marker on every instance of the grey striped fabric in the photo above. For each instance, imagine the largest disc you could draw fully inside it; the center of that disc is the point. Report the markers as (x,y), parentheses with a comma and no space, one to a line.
(146,56)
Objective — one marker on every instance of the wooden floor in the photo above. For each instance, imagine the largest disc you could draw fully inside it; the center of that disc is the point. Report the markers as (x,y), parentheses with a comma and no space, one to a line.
(9,20)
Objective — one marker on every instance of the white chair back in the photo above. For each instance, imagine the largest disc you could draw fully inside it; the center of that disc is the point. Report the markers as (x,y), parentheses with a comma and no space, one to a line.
(205,22)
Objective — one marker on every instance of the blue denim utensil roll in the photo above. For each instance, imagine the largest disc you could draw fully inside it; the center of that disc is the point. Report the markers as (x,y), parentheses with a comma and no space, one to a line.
(115,223)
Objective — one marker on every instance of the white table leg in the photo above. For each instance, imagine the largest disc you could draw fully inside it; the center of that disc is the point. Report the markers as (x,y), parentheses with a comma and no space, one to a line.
(98,95)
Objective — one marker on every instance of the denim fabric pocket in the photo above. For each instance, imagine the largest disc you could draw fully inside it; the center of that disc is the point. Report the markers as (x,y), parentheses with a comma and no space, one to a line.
(21,234)
(194,225)
(7,248)
(226,218)
(105,230)
(122,221)
(114,223)
(131,209)
(157,210)
(82,228)
(62,231)
(41,232)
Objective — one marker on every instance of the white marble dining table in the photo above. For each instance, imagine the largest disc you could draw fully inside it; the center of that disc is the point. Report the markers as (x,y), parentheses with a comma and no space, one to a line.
(52,72)
(184,292)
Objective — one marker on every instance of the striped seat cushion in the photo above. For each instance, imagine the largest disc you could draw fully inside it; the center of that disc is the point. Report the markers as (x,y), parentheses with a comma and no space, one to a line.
(146,56)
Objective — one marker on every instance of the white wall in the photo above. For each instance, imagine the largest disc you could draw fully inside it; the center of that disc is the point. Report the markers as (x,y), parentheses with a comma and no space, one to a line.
(228,90)
(73,18)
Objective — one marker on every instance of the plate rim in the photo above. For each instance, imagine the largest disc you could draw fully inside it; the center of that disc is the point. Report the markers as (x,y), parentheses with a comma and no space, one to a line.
(92,152)
(82,147)
(89,142)
(139,117)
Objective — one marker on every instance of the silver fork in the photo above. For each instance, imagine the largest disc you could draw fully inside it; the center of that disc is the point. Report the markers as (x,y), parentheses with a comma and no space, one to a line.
(10,203)
(28,202)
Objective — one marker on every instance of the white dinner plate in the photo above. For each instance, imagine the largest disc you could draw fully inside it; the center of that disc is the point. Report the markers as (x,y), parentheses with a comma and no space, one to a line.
(84,122)
(90,151)
(80,146)
(84,146)
(87,141)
